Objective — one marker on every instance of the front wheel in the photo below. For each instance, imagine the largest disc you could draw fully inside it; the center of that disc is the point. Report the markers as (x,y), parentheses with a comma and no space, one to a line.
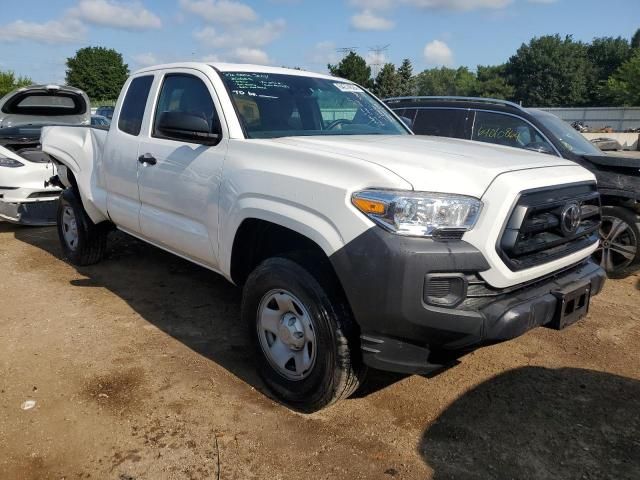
(305,339)
(619,249)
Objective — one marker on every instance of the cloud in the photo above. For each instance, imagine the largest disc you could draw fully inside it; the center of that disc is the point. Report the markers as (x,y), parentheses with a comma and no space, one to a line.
(249,55)
(65,30)
(212,58)
(367,20)
(257,36)
(459,5)
(323,53)
(146,59)
(438,53)
(109,13)
(220,11)
(374,4)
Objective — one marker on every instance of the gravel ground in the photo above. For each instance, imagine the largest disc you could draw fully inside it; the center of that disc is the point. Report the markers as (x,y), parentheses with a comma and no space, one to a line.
(140,369)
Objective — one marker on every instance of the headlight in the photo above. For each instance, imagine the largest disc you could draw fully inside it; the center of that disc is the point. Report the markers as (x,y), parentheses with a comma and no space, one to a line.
(10,162)
(418,214)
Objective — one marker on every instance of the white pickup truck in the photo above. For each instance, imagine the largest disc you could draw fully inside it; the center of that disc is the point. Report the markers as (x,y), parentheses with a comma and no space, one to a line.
(356,243)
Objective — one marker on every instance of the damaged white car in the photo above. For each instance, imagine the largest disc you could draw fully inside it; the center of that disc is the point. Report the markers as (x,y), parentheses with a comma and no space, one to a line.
(25,195)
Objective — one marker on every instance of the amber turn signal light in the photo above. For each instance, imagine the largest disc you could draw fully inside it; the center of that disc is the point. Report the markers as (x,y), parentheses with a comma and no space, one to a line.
(366,205)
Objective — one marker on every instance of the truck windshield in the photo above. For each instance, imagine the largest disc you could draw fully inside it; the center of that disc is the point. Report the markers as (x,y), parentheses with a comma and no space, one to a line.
(570,137)
(276,105)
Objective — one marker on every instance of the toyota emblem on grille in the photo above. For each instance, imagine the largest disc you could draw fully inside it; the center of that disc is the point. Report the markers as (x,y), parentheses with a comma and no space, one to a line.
(570,218)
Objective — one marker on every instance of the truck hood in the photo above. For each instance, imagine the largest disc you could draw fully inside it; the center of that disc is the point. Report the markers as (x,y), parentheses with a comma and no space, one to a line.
(432,164)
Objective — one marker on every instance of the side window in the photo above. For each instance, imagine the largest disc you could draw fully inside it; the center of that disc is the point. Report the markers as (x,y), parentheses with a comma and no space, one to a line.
(441,122)
(408,113)
(508,130)
(132,110)
(188,95)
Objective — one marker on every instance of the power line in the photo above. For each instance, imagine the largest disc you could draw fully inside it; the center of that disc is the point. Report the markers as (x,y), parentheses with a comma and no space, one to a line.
(378,52)
(346,50)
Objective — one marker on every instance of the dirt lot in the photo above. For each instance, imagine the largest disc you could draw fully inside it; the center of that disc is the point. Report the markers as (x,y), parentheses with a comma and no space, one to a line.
(140,370)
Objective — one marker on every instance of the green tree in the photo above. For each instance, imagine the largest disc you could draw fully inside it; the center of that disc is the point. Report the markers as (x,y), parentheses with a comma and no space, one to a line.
(99,71)
(635,40)
(606,55)
(407,80)
(387,82)
(446,81)
(550,71)
(492,83)
(9,82)
(624,85)
(353,67)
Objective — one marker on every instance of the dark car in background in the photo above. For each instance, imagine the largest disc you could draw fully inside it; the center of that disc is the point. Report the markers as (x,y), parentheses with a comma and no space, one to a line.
(509,124)
(105,112)
(100,121)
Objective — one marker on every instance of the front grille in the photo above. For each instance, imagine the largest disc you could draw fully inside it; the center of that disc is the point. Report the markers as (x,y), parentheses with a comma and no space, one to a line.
(549,224)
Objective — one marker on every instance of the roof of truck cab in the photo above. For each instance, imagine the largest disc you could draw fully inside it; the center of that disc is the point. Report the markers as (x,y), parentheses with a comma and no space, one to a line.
(239,67)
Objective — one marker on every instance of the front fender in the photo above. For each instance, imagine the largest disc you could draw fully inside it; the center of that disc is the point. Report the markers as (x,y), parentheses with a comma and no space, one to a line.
(310,223)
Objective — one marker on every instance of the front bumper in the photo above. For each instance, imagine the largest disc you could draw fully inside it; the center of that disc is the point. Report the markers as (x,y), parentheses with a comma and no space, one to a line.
(383,276)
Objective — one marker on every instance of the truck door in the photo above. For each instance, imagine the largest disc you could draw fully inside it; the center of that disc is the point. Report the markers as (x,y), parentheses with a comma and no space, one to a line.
(121,155)
(179,175)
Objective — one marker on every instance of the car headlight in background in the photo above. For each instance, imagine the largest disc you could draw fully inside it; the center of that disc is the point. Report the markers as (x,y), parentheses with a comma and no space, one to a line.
(10,163)
(418,214)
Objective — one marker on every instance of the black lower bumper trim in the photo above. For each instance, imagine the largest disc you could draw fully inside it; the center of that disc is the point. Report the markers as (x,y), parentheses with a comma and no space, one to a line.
(508,317)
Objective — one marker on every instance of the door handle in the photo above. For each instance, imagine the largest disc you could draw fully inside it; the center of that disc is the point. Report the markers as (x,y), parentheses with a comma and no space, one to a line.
(148,159)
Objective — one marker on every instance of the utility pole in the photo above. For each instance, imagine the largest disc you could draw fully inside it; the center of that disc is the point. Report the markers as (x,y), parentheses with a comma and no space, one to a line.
(377,51)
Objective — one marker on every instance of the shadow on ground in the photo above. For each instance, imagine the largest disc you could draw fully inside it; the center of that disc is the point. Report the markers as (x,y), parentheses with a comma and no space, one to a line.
(539,423)
(192,304)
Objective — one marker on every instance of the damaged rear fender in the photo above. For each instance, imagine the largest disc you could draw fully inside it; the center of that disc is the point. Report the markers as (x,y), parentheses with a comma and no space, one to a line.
(78,153)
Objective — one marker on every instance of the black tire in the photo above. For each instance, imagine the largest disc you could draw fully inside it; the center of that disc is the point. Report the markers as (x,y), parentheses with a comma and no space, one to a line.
(338,369)
(617,262)
(91,242)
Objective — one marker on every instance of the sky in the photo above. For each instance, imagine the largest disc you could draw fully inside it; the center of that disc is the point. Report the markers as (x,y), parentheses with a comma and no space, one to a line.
(36,41)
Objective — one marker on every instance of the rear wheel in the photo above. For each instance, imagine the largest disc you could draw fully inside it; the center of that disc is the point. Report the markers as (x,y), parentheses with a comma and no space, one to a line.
(305,339)
(619,249)
(82,241)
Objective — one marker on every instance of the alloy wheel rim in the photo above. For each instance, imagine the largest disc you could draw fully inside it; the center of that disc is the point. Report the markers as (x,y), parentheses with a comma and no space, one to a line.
(286,334)
(70,228)
(618,244)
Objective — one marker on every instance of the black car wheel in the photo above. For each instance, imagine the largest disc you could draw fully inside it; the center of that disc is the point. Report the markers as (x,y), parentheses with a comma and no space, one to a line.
(305,339)
(83,242)
(619,251)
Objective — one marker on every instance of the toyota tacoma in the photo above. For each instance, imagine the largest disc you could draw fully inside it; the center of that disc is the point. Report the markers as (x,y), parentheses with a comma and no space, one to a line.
(356,243)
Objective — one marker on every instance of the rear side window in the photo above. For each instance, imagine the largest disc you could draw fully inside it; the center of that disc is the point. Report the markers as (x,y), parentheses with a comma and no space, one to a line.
(507,130)
(441,122)
(132,110)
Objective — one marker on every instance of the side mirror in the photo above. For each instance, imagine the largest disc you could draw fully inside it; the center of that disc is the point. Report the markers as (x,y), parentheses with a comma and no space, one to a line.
(186,126)
(407,121)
